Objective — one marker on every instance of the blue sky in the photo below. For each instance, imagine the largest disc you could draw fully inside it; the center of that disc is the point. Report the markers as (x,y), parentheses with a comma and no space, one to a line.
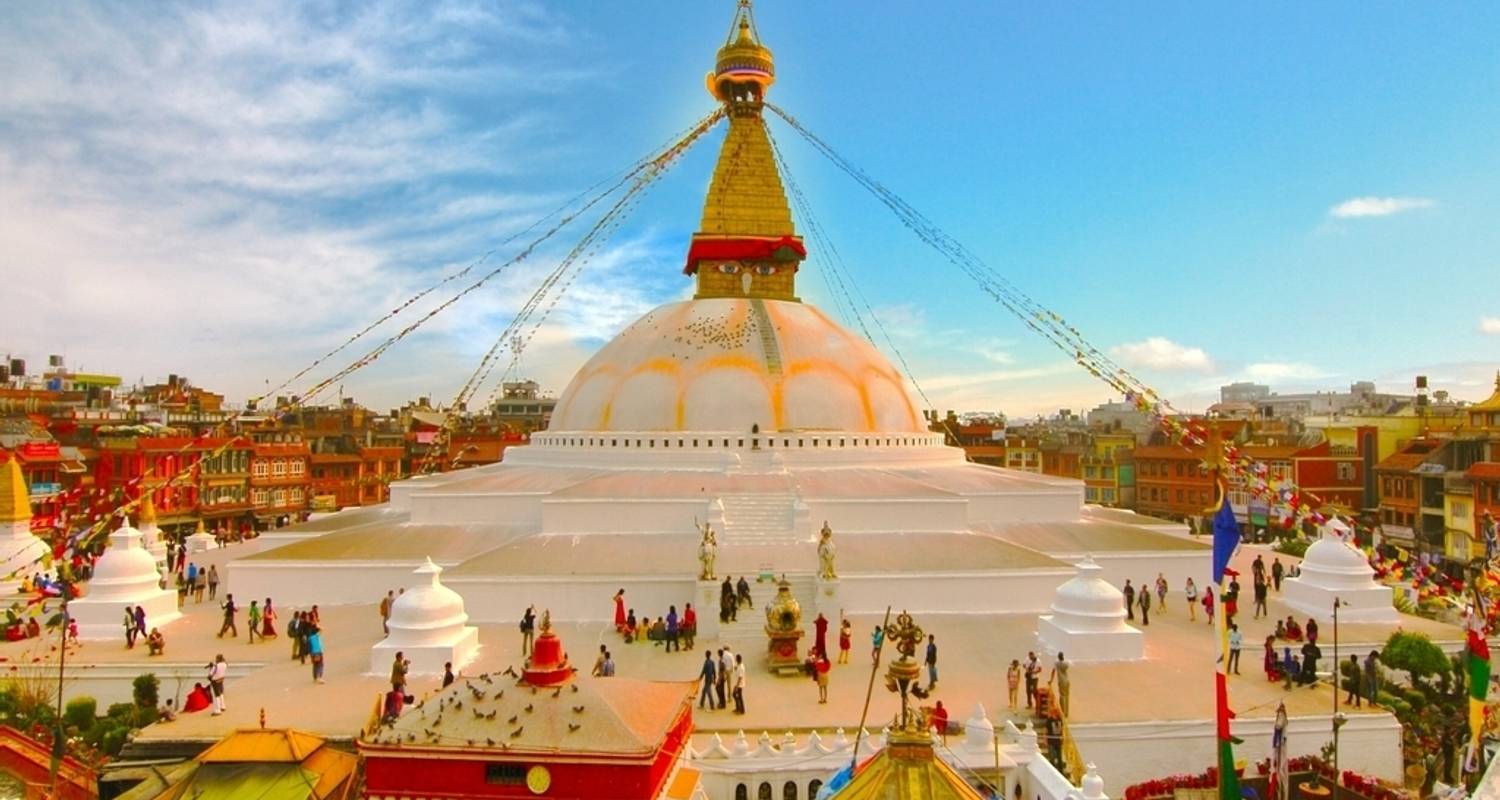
(1301,195)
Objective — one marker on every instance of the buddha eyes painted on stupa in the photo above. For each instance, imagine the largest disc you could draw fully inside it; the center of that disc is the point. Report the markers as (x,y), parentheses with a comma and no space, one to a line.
(729,267)
(765,269)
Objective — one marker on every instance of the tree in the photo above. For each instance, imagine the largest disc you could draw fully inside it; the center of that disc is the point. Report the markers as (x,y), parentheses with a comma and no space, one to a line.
(144,690)
(1416,655)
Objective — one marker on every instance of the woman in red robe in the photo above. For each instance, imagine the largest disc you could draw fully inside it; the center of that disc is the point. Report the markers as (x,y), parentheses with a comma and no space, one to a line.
(197,700)
(620,611)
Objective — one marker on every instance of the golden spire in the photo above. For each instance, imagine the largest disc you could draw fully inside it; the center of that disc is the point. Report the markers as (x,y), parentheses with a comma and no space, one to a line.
(15,500)
(147,513)
(746,241)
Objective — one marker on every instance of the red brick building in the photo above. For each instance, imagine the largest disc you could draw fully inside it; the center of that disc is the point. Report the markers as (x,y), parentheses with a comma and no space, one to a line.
(1172,481)
(280,481)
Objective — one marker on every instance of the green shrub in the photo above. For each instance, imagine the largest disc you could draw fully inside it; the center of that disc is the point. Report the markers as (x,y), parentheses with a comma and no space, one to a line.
(1415,654)
(1296,547)
(144,690)
(80,713)
(113,741)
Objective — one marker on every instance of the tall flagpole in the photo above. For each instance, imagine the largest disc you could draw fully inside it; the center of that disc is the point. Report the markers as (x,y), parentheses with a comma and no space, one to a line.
(1226,538)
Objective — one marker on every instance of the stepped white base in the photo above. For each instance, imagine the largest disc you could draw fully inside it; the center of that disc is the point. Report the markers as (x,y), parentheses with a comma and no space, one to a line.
(707,606)
(105,619)
(1373,603)
(199,542)
(1090,645)
(428,659)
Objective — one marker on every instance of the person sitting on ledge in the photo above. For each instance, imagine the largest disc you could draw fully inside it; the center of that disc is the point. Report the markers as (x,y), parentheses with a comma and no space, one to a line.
(27,585)
(1280,629)
(1293,630)
(630,627)
(155,643)
(197,700)
(33,628)
(658,632)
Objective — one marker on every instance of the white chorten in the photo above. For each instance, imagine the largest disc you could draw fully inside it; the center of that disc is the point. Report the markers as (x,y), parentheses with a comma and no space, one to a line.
(20,549)
(428,626)
(1087,622)
(201,540)
(151,537)
(124,576)
(1333,568)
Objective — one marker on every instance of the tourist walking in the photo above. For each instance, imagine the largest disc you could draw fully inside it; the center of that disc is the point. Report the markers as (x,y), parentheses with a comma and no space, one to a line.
(252,619)
(620,611)
(1372,675)
(1145,606)
(876,640)
(742,588)
(1191,591)
(448,677)
(728,606)
(385,611)
(846,640)
(1277,573)
(1033,676)
(1235,641)
(820,634)
(931,661)
(1231,600)
(129,628)
(229,609)
(399,668)
(213,581)
(1261,591)
(1208,603)
(1161,593)
(315,649)
(1060,675)
(199,584)
(726,672)
(268,621)
(739,683)
(1312,630)
(674,630)
(1013,681)
(140,622)
(821,666)
(689,626)
(182,590)
(1356,676)
(528,629)
(708,674)
(1129,592)
(218,671)
(1258,567)
(294,632)
(609,664)
(1269,659)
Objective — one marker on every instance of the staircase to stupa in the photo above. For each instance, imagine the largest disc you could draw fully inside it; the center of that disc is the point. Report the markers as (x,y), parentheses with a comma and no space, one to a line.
(762,518)
(750,622)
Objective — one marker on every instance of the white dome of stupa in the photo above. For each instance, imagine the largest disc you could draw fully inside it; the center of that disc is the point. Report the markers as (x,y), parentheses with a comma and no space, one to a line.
(428,626)
(1334,559)
(1334,570)
(427,609)
(124,576)
(1088,599)
(1087,622)
(125,570)
(721,364)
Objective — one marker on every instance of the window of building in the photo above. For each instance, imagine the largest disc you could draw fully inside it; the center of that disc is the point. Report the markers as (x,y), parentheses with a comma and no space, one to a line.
(1345,471)
(1107,473)
(505,774)
(1179,471)
(260,497)
(1107,495)
(1091,494)
(764,792)
(278,497)
(298,467)
(789,791)
(1179,495)
(741,792)
(278,468)
(260,469)
(296,496)
(813,786)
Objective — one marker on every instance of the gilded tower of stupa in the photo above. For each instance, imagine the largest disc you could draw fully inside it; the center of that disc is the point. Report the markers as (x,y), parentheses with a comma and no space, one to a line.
(746,245)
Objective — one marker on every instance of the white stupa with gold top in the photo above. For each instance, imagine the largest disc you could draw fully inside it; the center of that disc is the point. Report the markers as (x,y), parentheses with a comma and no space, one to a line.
(151,537)
(124,576)
(746,408)
(20,550)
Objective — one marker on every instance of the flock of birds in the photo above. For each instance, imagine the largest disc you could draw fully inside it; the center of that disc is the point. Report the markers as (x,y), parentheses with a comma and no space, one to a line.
(452,701)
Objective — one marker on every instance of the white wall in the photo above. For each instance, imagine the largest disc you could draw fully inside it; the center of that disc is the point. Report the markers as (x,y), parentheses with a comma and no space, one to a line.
(571,598)
(1009,592)
(1130,752)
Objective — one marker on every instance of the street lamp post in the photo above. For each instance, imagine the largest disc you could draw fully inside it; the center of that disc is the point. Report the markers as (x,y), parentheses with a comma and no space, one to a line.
(1338,718)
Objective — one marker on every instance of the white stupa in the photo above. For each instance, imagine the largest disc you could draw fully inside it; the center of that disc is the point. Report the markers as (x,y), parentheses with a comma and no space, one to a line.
(151,537)
(201,540)
(428,626)
(1087,622)
(124,576)
(1333,568)
(20,549)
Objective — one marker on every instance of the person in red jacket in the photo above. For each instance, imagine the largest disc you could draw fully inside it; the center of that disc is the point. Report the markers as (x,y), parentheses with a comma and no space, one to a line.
(689,626)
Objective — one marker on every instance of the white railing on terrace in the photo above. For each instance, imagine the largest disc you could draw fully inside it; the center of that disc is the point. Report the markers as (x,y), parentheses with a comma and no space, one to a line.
(735,441)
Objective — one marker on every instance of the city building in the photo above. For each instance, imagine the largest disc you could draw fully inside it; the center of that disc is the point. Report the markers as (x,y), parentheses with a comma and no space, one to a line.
(522,408)
(1257,401)
(280,483)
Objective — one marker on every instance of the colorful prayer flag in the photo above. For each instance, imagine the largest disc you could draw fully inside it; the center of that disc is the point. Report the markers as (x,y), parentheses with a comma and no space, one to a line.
(1226,541)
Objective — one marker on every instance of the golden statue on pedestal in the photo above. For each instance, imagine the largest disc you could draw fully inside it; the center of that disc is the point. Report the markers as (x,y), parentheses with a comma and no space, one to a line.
(904,674)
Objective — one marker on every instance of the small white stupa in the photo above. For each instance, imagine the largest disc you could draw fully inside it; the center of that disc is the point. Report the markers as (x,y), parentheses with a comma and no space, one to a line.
(20,549)
(1333,568)
(151,537)
(125,575)
(1087,622)
(428,626)
(201,540)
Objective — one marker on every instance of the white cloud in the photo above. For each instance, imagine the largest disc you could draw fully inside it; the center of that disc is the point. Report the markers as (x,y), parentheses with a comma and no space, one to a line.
(1377,206)
(1282,371)
(1489,325)
(1159,352)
